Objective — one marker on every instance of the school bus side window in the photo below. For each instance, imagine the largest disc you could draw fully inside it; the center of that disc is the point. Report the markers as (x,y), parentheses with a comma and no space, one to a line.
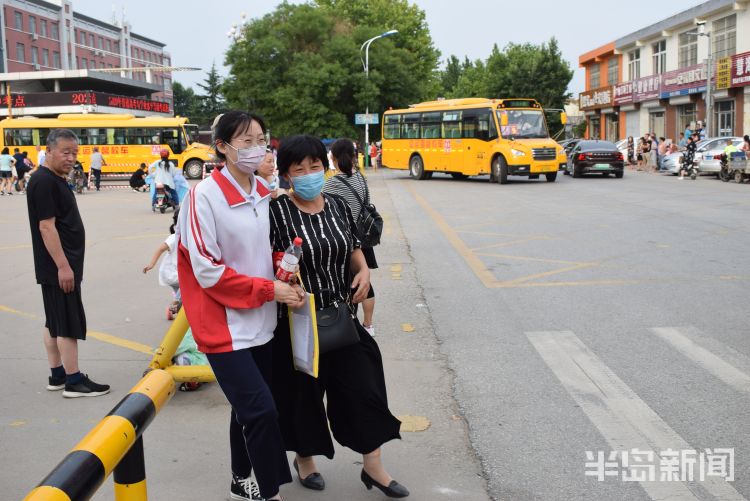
(392,129)
(452,124)
(410,126)
(430,125)
(478,124)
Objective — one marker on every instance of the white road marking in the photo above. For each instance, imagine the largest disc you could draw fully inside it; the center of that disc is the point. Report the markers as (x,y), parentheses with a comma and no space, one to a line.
(623,419)
(714,364)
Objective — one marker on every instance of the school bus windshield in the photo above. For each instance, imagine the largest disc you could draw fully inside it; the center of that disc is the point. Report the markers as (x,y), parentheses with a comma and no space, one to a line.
(523,124)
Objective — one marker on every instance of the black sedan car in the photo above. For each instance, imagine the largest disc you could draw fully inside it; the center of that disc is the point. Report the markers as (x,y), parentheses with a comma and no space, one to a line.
(595,157)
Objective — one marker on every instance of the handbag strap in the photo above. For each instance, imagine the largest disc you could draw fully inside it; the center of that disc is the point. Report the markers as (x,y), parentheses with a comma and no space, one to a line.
(367,191)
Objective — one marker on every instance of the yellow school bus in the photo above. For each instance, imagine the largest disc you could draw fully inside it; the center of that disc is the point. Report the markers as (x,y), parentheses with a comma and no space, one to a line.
(470,137)
(124,140)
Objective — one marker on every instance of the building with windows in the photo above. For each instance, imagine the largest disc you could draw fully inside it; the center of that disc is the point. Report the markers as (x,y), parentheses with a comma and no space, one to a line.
(656,79)
(56,60)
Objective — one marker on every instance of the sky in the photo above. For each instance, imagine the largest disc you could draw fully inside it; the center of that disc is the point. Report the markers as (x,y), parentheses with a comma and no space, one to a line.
(196,36)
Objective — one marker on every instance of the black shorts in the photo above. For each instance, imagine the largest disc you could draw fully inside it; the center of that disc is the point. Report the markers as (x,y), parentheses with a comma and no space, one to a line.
(5,174)
(64,312)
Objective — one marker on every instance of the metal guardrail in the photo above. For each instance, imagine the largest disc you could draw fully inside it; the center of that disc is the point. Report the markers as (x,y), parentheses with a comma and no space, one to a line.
(113,445)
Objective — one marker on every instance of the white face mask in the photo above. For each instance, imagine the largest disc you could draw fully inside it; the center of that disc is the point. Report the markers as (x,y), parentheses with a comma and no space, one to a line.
(249,159)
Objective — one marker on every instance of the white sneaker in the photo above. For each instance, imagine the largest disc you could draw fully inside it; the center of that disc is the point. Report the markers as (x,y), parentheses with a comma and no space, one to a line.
(370,329)
(680,178)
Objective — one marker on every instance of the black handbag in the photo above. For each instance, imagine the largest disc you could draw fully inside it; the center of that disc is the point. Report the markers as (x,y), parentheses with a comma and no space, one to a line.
(336,328)
(369,223)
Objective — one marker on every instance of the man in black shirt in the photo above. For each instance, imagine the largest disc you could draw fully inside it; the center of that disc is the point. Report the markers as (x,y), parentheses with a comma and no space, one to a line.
(58,240)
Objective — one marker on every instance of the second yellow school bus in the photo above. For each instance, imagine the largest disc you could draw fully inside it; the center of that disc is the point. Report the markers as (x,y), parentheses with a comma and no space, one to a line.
(470,137)
(125,141)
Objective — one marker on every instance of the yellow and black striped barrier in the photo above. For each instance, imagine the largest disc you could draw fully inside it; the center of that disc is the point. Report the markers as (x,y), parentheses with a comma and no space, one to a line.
(115,444)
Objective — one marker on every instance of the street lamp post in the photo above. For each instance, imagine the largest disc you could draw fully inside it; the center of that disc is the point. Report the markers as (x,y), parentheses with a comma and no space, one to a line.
(709,75)
(366,65)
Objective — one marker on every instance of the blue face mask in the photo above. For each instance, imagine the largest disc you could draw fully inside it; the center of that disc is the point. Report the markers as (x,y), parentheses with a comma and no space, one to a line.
(309,186)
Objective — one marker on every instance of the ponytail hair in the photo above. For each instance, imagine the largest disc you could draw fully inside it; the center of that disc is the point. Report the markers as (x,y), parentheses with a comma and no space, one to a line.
(343,151)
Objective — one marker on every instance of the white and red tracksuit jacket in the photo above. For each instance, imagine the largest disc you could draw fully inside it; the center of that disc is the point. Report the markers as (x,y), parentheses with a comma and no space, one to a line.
(224,264)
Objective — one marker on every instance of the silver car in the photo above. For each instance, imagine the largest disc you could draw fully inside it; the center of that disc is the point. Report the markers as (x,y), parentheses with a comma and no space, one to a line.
(709,152)
(670,163)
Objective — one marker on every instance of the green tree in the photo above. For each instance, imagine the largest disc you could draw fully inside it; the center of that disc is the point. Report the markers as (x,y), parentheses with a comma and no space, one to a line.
(212,102)
(184,101)
(300,68)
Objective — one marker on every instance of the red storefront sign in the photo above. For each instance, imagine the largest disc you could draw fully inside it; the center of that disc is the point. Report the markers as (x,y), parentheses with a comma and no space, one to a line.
(598,98)
(623,93)
(741,70)
(690,80)
(647,89)
(43,99)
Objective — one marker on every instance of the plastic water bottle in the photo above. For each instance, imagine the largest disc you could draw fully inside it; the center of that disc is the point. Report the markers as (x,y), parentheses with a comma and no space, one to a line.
(288,265)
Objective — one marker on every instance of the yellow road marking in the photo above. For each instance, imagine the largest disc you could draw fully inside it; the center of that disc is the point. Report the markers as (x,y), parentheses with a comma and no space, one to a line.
(138,237)
(476,265)
(396,268)
(17,423)
(413,423)
(407,327)
(528,258)
(15,247)
(123,343)
(511,285)
(99,336)
(546,273)
(512,242)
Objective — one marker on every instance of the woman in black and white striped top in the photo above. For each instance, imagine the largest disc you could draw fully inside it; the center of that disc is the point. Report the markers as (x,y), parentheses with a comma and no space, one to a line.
(345,160)
(351,378)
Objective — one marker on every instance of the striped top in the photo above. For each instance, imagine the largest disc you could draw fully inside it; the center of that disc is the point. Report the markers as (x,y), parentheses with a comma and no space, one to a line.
(328,240)
(335,186)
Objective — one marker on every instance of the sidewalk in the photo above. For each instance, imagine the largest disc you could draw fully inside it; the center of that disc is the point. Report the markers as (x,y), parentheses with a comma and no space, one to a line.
(186,447)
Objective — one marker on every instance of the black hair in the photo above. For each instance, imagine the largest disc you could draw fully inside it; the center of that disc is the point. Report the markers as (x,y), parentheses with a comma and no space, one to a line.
(230,124)
(15,150)
(746,138)
(5,151)
(56,134)
(25,154)
(174,221)
(295,149)
(343,151)
(143,165)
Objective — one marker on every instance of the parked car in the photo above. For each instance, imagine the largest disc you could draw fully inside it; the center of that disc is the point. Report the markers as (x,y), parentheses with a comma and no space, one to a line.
(595,156)
(670,163)
(709,153)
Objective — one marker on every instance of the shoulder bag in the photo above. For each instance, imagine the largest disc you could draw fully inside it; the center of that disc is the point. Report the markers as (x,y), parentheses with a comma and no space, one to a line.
(370,223)
(336,327)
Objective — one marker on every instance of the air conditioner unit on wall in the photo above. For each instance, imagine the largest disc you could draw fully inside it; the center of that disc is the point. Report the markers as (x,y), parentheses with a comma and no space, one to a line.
(34,36)
(36,67)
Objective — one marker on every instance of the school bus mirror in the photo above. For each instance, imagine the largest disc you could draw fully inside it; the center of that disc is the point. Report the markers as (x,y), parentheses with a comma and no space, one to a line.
(563,118)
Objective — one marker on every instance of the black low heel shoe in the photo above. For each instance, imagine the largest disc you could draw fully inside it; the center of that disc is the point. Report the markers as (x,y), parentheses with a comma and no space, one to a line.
(394,489)
(313,481)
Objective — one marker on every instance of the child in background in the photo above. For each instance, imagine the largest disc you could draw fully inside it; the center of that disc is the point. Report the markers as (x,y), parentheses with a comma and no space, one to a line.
(168,267)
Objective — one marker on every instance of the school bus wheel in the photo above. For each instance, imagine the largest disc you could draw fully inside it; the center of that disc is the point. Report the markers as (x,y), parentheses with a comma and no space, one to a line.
(416,168)
(499,170)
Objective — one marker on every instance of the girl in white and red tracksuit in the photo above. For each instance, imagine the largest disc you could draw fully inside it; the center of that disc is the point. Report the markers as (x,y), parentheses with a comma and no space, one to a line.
(229,294)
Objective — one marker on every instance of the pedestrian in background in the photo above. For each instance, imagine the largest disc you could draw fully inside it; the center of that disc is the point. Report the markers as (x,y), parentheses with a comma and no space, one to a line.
(40,155)
(351,185)
(746,145)
(97,161)
(7,166)
(631,151)
(229,294)
(58,241)
(653,158)
(373,155)
(350,378)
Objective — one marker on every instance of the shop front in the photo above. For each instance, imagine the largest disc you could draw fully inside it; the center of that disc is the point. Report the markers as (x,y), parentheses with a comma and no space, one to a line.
(592,102)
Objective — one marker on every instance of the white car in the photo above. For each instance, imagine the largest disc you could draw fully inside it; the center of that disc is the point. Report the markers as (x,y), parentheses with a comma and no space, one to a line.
(709,153)
(670,163)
